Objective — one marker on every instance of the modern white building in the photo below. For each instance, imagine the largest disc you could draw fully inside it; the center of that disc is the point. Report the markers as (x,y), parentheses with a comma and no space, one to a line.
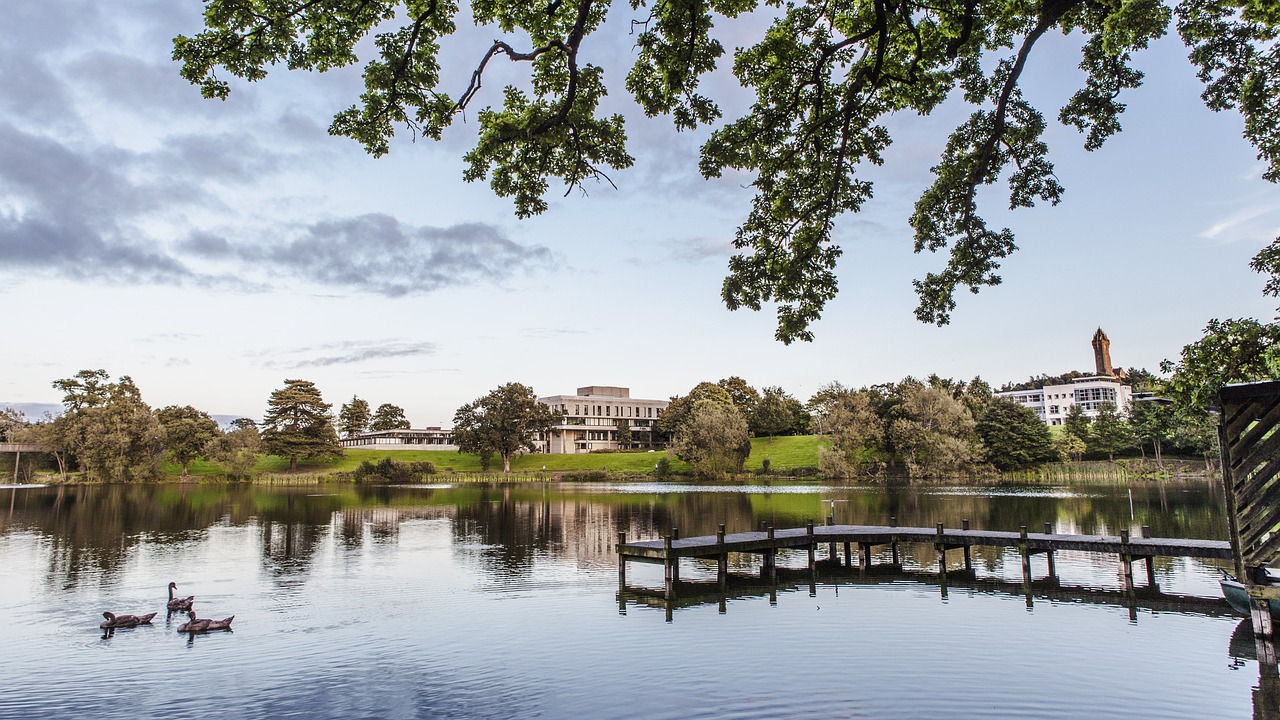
(430,438)
(1053,402)
(589,420)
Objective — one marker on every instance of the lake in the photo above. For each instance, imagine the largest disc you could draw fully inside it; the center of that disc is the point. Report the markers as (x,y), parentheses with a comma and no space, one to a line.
(502,601)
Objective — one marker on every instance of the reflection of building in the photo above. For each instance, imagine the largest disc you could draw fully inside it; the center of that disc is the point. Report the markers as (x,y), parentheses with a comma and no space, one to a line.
(431,438)
(1053,402)
(590,420)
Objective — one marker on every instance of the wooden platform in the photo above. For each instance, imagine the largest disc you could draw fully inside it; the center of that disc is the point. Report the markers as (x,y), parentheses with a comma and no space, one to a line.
(669,550)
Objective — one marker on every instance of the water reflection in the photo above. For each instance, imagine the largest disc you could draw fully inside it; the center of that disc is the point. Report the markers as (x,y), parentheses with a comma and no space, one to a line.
(482,601)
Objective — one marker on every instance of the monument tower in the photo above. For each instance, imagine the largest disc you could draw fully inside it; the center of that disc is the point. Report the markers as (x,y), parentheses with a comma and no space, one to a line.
(1102,354)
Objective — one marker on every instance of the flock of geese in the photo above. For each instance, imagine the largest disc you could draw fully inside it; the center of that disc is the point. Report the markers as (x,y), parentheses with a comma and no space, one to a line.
(176,604)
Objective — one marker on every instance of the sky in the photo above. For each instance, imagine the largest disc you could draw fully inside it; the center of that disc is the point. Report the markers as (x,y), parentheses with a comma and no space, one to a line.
(211,250)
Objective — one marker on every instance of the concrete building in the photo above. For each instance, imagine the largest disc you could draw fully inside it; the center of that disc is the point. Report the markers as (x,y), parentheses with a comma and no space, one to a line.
(430,438)
(589,420)
(1053,402)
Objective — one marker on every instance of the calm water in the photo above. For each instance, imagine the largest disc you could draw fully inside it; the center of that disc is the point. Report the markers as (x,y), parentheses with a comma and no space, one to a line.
(502,602)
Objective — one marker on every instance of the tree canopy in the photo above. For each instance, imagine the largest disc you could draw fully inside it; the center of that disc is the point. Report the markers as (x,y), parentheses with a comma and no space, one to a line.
(299,424)
(503,422)
(354,416)
(825,76)
(186,433)
(389,417)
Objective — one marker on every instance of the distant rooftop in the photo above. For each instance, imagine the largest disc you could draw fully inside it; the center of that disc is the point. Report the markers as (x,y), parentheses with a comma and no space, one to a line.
(604,391)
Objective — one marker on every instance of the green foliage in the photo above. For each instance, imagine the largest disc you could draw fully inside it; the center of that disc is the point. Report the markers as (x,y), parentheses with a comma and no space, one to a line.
(299,424)
(11,422)
(186,433)
(1014,437)
(389,417)
(1110,433)
(662,468)
(237,451)
(106,428)
(775,414)
(354,417)
(1230,351)
(825,78)
(505,421)
(623,429)
(933,433)
(393,471)
(714,440)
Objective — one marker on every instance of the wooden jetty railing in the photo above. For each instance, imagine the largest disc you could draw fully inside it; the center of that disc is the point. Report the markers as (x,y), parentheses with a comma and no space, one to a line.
(768,542)
(1249,437)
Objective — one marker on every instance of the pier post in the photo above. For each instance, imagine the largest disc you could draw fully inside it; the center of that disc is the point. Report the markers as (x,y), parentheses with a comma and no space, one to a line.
(772,558)
(968,561)
(668,574)
(1126,560)
(622,560)
(675,566)
(1026,555)
(832,554)
(723,571)
(808,525)
(848,554)
(1053,570)
(1151,560)
(1260,611)
(942,554)
(893,523)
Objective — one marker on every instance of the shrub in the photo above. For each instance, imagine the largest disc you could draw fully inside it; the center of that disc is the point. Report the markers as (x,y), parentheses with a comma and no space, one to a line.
(393,471)
(662,468)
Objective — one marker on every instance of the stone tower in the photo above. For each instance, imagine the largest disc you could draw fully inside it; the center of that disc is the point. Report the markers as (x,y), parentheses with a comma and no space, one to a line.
(1102,353)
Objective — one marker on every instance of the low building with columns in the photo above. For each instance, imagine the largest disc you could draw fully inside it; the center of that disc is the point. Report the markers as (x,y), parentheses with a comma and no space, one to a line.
(589,420)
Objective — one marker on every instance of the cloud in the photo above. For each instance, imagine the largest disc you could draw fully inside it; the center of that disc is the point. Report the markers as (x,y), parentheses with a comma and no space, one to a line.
(377,253)
(699,248)
(351,352)
(1229,228)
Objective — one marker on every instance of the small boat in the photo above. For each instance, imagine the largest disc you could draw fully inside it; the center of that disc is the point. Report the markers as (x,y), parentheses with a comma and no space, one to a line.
(1238,597)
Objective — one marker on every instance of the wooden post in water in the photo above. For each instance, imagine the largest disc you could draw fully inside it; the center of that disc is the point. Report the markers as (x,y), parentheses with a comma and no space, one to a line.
(942,555)
(1053,570)
(808,525)
(831,549)
(675,566)
(893,523)
(668,574)
(723,571)
(1151,560)
(1126,560)
(622,560)
(772,558)
(1260,611)
(1026,555)
(968,561)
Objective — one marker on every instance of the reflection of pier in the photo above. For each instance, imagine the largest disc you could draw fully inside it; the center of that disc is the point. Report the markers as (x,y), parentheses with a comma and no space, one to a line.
(832,572)
(669,550)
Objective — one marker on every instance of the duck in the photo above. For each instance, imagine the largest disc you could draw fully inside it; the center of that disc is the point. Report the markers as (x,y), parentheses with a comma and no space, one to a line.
(203,625)
(176,603)
(114,621)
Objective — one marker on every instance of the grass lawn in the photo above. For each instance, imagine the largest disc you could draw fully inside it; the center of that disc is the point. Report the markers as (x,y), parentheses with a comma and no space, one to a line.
(783,453)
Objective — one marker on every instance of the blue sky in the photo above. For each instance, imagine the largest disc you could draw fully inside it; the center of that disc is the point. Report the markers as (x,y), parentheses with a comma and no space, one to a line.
(212,249)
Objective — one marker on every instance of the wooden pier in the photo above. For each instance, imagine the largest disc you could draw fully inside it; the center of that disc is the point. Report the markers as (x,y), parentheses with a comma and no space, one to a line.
(865,538)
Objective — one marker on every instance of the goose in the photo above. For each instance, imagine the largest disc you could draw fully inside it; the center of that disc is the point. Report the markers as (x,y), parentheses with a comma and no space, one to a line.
(176,603)
(202,625)
(124,621)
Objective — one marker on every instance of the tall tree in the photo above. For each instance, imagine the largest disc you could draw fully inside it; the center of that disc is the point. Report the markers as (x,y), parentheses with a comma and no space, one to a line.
(354,417)
(389,417)
(934,433)
(299,424)
(113,435)
(10,422)
(238,450)
(742,394)
(1153,422)
(773,415)
(825,77)
(505,421)
(623,429)
(1013,436)
(1110,432)
(714,439)
(848,422)
(186,433)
